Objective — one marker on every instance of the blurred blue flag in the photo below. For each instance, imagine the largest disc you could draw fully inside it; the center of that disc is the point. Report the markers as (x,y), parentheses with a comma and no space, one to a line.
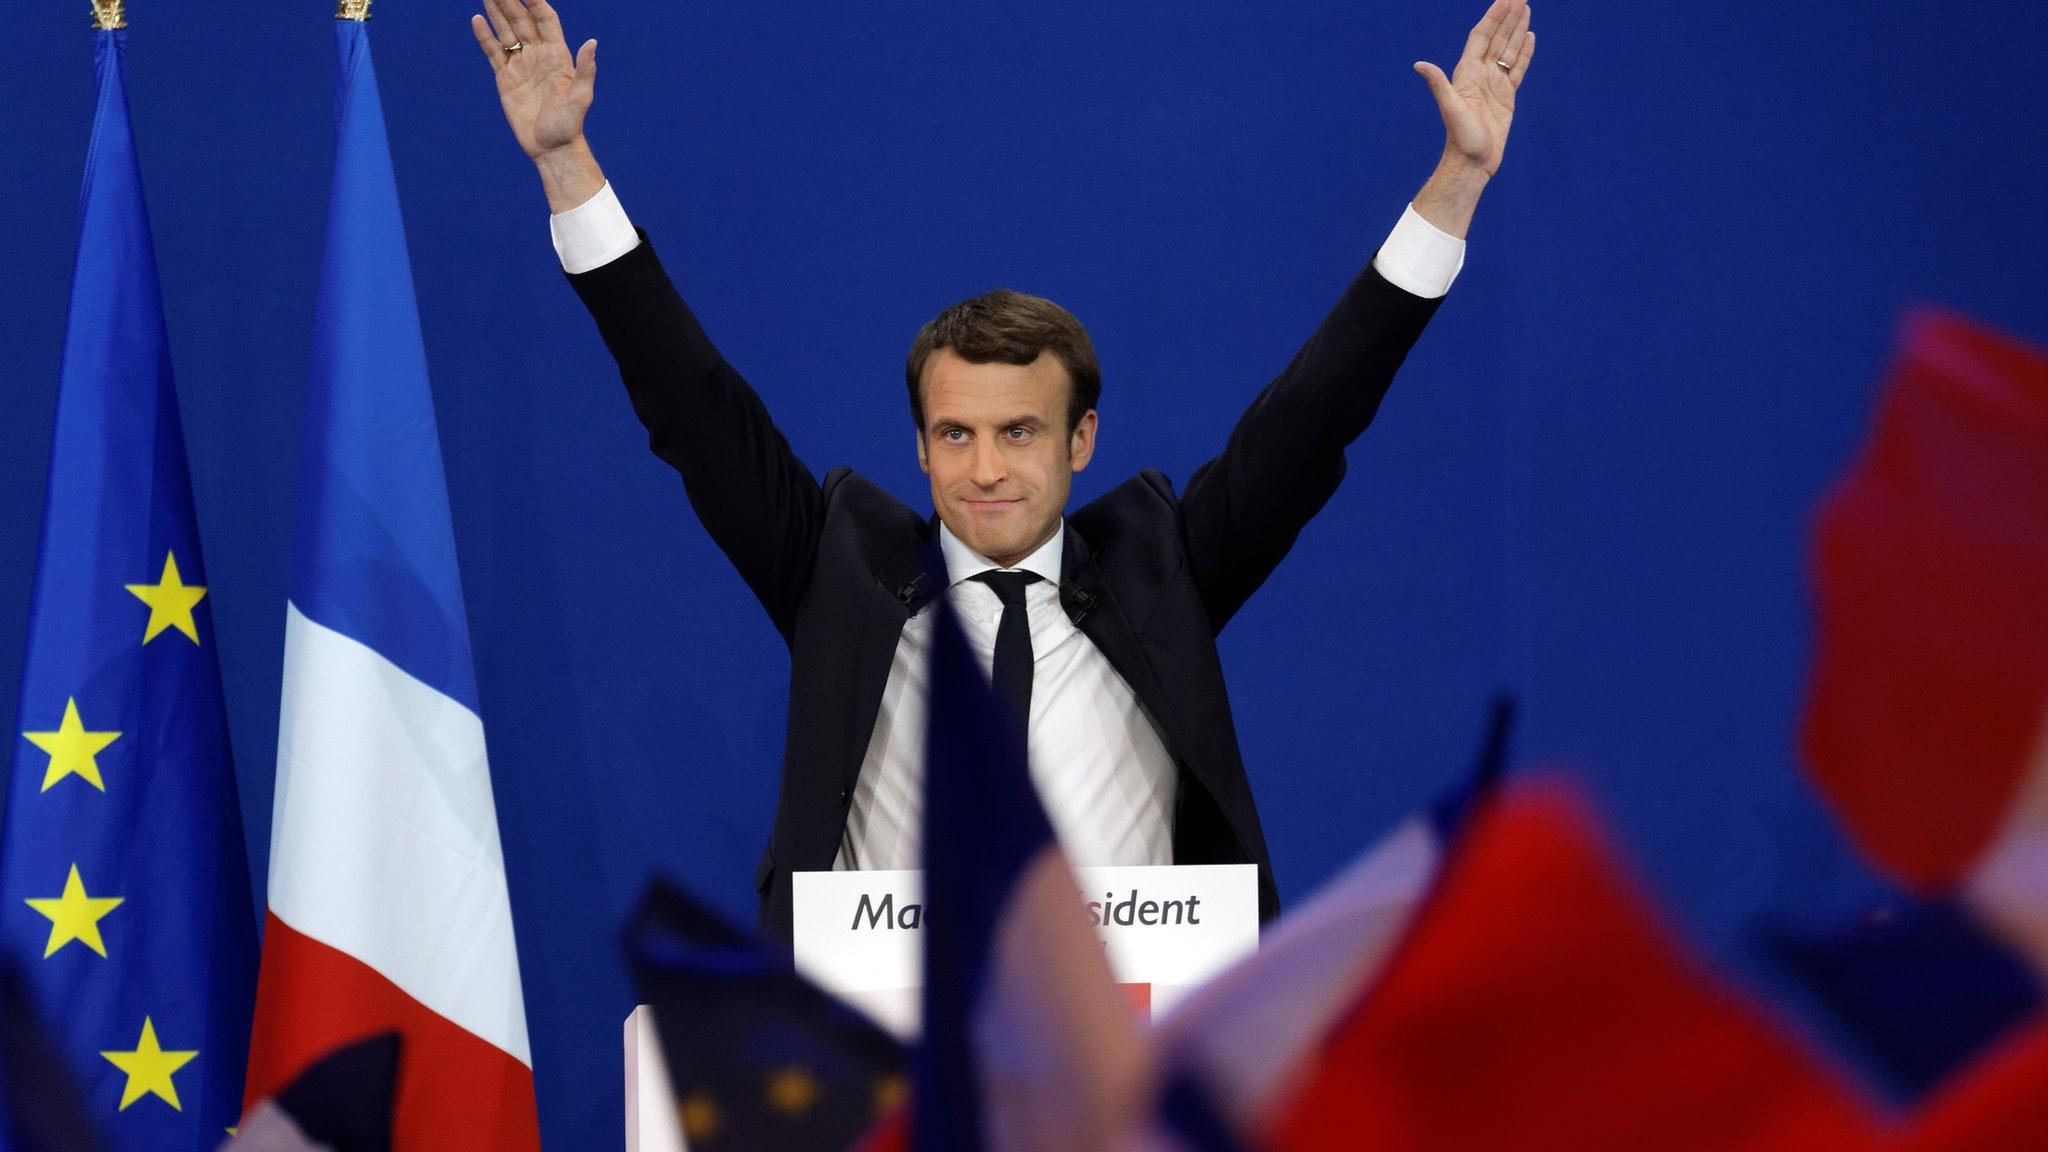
(124,888)
(1916,994)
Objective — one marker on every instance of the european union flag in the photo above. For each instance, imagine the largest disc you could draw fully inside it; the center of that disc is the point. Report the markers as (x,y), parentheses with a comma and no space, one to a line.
(758,1056)
(124,890)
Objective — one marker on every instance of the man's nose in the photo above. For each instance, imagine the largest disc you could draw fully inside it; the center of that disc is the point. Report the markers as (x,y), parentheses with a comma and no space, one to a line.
(988,464)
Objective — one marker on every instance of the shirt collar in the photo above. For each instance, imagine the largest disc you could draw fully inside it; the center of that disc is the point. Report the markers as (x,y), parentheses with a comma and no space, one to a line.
(963,562)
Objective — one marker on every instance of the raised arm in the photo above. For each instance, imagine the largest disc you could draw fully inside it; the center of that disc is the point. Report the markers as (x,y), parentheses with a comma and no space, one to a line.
(756,499)
(1477,103)
(545,92)
(1242,511)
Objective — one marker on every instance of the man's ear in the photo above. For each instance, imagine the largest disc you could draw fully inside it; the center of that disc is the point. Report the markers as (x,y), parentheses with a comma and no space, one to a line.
(923,465)
(1081,445)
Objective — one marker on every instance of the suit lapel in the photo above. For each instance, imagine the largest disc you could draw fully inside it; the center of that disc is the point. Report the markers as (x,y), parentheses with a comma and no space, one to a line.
(916,574)
(908,581)
(1095,609)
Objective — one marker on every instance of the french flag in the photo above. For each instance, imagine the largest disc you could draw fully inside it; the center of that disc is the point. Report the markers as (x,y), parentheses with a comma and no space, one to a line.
(1999,1103)
(1487,976)
(1237,1048)
(1539,1003)
(1028,1042)
(1927,718)
(388,908)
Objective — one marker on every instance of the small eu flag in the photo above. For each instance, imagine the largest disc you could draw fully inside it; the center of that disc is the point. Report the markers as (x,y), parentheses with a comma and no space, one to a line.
(124,890)
(758,1056)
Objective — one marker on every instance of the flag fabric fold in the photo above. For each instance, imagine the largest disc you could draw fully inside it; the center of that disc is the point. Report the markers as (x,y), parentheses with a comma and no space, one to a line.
(1245,1039)
(1028,1042)
(1997,1103)
(1926,723)
(342,1103)
(1540,1005)
(757,1055)
(1917,994)
(124,884)
(41,1108)
(388,906)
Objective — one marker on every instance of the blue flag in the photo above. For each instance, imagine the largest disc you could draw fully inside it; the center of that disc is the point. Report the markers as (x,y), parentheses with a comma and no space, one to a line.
(983,827)
(388,906)
(1915,995)
(757,1055)
(124,889)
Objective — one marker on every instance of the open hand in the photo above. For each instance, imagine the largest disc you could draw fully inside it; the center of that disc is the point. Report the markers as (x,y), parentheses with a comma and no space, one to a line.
(545,92)
(1477,100)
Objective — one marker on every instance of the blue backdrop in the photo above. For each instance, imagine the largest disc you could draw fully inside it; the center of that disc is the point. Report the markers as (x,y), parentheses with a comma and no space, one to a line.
(1591,482)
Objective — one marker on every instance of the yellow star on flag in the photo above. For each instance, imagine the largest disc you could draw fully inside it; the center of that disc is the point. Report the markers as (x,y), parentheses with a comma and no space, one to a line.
(75,916)
(792,1091)
(149,1069)
(170,601)
(72,749)
(700,1117)
(890,1092)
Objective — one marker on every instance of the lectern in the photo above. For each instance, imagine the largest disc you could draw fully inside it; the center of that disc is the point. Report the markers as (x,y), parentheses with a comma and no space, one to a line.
(860,935)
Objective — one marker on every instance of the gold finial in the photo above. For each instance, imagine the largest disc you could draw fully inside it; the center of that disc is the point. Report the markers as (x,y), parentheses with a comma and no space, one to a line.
(353,10)
(107,15)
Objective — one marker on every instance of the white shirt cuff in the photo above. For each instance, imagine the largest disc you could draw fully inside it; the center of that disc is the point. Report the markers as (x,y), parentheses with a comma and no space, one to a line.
(593,233)
(1420,258)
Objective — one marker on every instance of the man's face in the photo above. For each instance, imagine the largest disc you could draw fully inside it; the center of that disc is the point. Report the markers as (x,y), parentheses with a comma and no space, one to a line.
(996,445)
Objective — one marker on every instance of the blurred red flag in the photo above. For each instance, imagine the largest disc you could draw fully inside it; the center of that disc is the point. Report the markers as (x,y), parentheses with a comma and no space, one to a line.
(1540,1005)
(1999,1105)
(1930,570)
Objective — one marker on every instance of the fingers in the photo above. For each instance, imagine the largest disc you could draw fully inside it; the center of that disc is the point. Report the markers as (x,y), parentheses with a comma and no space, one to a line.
(507,23)
(1482,32)
(547,25)
(522,20)
(586,65)
(1521,67)
(488,41)
(1504,30)
(1512,50)
(500,24)
(1439,84)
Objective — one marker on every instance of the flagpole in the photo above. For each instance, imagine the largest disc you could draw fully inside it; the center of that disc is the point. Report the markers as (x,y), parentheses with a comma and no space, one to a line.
(357,10)
(109,16)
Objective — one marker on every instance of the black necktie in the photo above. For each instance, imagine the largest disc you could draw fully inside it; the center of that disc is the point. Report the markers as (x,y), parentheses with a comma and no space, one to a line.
(1013,644)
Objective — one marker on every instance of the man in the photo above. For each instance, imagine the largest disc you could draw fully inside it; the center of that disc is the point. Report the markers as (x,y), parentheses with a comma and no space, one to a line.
(1099,627)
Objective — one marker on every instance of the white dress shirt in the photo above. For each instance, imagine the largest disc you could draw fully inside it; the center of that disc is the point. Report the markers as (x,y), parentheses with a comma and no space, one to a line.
(1098,760)
(1101,767)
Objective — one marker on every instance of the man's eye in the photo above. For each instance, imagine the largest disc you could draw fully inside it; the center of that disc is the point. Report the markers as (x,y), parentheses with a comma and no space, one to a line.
(954,435)
(1020,433)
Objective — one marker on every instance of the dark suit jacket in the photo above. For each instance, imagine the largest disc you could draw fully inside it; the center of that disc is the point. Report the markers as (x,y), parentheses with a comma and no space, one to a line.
(1149,576)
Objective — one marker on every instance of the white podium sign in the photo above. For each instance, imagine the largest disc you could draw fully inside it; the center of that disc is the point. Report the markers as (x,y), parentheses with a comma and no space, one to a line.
(860,935)
(1167,930)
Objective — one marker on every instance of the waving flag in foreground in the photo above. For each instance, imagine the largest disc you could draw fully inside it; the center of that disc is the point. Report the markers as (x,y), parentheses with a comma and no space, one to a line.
(1539,1005)
(1028,1042)
(1918,992)
(124,887)
(1253,1032)
(1926,721)
(41,1109)
(1927,724)
(388,905)
(343,1103)
(1999,1103)
(757,1055)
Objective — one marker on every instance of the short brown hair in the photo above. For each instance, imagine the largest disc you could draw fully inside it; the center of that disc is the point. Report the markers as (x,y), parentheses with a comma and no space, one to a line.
(1010,328)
